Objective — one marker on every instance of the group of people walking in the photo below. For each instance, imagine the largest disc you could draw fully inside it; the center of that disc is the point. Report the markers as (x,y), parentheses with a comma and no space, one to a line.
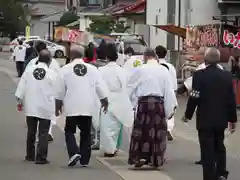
(112,97)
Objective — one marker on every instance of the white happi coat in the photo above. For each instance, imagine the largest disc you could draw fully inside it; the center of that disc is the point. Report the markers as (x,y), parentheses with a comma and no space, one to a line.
(173,75)
(38,95)
(79,93)
(120,110)
(53,65)
(188,81)
(152,79)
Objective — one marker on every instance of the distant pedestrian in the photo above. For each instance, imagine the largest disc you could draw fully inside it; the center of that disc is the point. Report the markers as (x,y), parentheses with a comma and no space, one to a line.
(31,53)
(162,53)
(90,53)
(102,50)
(213,96)
(36,94)
(19,57)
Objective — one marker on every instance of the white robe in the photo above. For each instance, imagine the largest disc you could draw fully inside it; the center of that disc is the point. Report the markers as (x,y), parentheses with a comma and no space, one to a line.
(173,74)
(56,67)
(120,109)
(152,79)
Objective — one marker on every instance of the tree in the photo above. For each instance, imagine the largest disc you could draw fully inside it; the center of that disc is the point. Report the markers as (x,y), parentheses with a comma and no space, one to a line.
(120,27)
(13,17)
(101,25)
(106,25)
(67,18)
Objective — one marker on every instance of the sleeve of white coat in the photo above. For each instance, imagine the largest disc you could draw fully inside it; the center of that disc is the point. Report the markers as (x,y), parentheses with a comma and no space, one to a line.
(132,85)
(60,86)
(21,88)
(170,100)
(188,83)
(101,89)
(174,77)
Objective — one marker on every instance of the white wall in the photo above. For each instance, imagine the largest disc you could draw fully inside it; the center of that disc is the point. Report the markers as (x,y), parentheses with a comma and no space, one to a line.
(84,23)
(39,28)
(155,8)
(193,12)
(199,12)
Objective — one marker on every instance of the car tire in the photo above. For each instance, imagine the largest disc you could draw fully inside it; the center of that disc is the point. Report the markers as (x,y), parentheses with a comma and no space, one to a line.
(59,54)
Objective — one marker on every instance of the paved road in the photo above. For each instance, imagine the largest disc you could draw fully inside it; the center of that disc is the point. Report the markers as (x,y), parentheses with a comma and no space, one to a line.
(180,154)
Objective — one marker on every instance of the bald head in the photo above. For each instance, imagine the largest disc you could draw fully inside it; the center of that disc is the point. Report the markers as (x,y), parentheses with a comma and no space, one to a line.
(44,56)
(76,52)
(212,55)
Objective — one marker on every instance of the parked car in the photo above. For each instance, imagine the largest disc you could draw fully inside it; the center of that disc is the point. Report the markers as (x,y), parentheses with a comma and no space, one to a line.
(14,42)
(57,51)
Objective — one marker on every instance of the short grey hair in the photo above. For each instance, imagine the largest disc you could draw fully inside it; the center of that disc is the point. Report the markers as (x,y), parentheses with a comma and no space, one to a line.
(150,53)
(212,55)
(76,52)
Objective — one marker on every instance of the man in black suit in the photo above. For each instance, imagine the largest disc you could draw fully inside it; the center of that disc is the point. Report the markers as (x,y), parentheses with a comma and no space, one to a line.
(213,96)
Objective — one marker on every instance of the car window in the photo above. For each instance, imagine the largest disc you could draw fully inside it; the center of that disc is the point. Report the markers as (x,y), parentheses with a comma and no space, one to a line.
(28,42)
(22,39)
(137,48)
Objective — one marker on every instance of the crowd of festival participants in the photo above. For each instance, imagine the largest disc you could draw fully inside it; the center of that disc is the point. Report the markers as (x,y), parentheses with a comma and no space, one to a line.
(136,94)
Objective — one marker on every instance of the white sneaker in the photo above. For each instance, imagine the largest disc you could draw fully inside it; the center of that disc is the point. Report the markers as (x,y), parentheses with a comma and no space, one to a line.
(74,159)
(84,166)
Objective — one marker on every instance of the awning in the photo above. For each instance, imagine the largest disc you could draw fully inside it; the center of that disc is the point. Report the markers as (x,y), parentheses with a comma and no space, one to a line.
(136,7)
(75,23)
(173,29)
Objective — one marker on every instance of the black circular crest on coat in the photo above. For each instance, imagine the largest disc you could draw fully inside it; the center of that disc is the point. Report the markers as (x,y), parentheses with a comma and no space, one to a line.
(80,69)
(39,73)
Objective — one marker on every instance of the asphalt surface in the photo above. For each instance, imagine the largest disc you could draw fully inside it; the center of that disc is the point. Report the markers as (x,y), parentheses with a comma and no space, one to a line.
(181,153)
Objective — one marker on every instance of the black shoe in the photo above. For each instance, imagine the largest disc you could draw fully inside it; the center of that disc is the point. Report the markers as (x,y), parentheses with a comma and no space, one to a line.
(198,162)
(29,159)
(95,147)
(50,138)
(108,155)
(42,162)
(169,136)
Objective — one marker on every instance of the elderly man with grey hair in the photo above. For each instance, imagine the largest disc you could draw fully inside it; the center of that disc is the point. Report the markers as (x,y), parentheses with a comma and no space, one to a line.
(81,86)
(152,95)
(213,96)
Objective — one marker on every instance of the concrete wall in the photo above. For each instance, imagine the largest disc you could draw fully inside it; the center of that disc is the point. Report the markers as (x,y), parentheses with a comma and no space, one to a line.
(156,14)
(39,28)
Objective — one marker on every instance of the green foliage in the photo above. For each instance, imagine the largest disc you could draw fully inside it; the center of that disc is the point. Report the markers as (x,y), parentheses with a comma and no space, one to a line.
(101,25)
(14,16)
(106,25)
(67,18)
(120,27)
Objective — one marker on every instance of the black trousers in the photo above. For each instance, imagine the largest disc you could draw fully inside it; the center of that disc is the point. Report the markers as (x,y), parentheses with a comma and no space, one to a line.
(201,150)
(84,123)
(213,153)
(20,68)
(42,147)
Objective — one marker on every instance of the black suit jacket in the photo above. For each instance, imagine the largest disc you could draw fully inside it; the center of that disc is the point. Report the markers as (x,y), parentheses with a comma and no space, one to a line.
(214,98)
